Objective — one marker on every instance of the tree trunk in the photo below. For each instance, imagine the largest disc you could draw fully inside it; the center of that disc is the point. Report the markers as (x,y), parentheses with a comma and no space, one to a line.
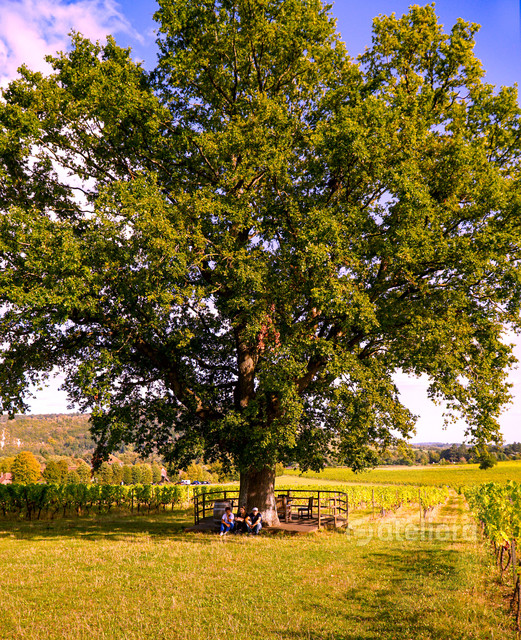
(258,490)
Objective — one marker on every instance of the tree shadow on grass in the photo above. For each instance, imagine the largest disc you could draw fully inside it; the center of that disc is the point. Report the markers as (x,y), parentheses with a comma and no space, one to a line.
(172,526)
(393,611)
(169,526)
(426,562)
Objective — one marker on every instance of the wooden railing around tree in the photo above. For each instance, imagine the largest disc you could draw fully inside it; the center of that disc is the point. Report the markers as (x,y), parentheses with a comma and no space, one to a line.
(325,507)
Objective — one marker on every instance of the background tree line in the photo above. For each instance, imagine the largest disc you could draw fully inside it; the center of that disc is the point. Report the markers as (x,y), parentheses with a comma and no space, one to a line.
(25,467)
(449,454)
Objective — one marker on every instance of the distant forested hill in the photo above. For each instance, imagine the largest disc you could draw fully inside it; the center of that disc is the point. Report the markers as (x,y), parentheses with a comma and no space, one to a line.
(46,435)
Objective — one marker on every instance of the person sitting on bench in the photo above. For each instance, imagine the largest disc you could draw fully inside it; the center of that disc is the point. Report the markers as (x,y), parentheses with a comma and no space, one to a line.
(227,521)
(255,524)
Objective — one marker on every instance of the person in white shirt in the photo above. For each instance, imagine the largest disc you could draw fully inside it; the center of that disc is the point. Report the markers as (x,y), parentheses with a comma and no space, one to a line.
(227,521)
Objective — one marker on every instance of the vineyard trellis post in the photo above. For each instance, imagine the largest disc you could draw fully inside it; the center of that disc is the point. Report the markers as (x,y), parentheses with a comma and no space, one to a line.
(513,553)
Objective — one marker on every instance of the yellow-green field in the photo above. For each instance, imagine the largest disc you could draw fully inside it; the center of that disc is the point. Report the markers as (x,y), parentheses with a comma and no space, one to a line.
(142,578)
(451,475)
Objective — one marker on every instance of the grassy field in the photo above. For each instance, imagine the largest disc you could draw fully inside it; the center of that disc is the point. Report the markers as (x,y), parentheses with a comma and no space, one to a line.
(141,578)
(451,475)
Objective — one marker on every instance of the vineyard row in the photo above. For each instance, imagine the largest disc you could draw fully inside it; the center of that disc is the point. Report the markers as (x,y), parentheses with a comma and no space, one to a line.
(381,498)
(498,509)
(48,500)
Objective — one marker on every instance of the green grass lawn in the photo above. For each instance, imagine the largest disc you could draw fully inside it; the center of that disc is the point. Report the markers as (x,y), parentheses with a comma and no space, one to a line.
(452,475)
(140,578)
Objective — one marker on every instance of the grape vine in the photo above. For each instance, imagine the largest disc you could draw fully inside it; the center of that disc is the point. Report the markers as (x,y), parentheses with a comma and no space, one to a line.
(498,509)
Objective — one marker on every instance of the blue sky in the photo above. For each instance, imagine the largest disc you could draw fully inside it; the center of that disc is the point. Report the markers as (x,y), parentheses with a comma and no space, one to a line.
(29,29)
(498,43)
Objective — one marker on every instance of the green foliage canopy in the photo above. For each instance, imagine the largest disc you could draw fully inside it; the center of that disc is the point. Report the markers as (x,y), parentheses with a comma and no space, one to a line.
(52,473)
(105,475)
(84,472)
(127,474)
(156,473)
(25,468)
(233,254)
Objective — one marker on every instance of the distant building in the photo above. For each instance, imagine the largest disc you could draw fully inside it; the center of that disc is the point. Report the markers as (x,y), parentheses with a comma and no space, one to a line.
(6,478)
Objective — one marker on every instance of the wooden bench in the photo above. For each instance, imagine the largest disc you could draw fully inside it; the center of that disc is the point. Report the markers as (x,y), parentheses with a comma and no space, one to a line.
(283,505)
(306,510)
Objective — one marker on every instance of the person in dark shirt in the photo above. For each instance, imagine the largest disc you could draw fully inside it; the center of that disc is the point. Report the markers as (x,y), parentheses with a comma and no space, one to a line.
(242,520)
(255,524)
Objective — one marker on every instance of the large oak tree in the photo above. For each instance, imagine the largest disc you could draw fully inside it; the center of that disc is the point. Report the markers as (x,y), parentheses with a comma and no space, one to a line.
(232,255)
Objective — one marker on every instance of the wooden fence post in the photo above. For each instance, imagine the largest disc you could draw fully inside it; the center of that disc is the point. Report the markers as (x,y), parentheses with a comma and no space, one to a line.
(518,614)
(319,510)
(513,557)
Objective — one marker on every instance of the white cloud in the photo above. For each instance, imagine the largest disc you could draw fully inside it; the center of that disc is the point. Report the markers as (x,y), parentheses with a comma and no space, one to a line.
(31,29)
(51,399)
